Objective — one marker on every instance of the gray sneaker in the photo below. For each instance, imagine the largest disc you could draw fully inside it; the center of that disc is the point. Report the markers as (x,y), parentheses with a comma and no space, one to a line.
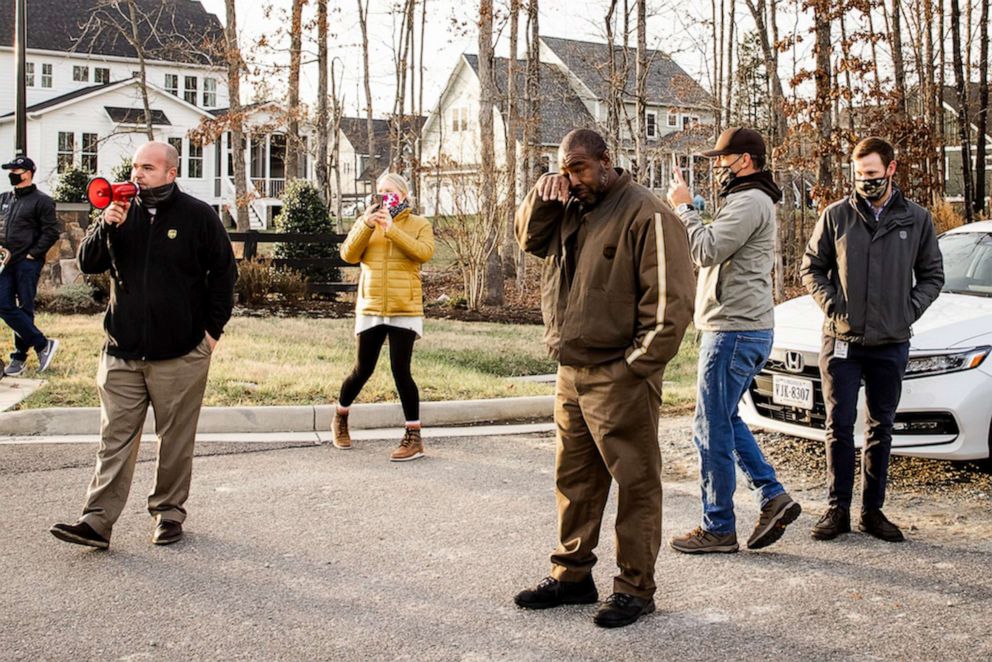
(14,368)
(46,355)
(701,541)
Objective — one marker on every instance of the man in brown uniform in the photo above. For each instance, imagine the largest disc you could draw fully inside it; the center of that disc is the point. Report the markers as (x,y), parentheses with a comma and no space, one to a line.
(617,293)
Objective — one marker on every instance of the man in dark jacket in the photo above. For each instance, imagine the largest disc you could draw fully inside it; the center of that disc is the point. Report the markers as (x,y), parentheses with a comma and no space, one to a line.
(616,296)
(873,265)
(173,274)
(28,228)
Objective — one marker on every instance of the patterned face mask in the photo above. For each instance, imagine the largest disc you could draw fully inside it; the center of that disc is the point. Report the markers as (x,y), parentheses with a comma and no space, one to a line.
(871,189)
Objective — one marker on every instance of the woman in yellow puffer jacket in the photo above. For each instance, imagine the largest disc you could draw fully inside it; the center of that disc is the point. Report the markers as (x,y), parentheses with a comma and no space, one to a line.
(391,244)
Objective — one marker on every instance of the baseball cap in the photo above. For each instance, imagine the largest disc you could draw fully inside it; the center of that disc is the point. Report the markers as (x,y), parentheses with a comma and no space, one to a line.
(738,140)
(19,162)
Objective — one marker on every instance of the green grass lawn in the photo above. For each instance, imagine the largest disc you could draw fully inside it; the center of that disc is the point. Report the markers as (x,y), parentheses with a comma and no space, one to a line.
(294,361)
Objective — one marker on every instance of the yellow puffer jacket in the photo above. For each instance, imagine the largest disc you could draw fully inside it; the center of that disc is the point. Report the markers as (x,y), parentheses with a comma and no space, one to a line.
(390,282)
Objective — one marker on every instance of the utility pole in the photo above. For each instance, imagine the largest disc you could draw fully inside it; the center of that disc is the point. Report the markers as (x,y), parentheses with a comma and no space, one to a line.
(21,105)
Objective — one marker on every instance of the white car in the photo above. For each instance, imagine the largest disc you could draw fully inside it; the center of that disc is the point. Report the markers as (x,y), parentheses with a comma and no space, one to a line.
(946,406)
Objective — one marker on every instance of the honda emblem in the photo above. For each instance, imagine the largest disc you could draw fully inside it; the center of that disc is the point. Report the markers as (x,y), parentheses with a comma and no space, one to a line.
(794,362)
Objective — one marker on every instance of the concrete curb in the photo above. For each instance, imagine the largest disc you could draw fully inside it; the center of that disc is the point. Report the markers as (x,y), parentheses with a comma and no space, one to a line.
(307,418)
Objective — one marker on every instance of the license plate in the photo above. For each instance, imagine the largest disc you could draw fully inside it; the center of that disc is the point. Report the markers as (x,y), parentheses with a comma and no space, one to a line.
(792,391)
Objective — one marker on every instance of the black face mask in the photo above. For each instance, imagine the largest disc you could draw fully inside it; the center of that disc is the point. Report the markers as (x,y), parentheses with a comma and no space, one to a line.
(152,197)
(16,178)
(872,189)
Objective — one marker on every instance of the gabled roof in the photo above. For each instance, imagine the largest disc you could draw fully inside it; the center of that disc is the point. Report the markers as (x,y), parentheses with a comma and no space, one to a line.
(667,83)
(120,115)
(356,130)
(180,30)
(559,108)
(97,90)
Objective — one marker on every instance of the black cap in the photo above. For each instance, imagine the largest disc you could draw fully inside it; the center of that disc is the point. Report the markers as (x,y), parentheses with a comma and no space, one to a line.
(738,140)
(20,162)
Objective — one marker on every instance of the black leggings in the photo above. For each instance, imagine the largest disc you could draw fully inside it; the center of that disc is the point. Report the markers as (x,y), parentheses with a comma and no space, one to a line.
(400,355)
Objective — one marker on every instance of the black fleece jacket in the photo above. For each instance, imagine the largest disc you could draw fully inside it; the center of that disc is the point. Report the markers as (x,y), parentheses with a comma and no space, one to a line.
(175,277)
(30,226)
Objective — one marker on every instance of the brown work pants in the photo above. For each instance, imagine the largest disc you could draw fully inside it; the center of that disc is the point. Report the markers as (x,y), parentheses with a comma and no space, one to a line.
(174,388)
(607,421)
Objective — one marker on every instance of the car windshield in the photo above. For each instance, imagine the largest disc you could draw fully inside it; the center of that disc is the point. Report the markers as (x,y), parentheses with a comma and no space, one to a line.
(967,263)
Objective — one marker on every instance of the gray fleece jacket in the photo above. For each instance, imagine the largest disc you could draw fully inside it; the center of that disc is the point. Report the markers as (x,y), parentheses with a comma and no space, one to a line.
(735,254)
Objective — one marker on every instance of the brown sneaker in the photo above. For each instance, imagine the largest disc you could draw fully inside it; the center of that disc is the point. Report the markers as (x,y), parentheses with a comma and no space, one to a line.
(411,448)
(342,439)
(777,514)
(700,541)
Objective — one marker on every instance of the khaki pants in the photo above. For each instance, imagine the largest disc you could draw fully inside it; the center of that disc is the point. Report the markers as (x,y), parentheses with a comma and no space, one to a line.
(174,388)
(607,421)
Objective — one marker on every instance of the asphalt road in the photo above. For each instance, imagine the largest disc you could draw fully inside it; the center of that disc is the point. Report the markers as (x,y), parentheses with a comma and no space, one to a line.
(313,553)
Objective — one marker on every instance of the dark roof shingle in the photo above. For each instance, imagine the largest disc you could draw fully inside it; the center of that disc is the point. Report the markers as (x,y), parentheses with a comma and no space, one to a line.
(183,30)
(120,115)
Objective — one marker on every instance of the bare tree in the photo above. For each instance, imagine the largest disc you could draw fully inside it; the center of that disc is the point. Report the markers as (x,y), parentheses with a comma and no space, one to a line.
(640,94)
(363,23)
(961,84)
(335,158)
(531,94)
(510,252)
(823,78)
(235,116)
(487,99)
(323,181)
(293,111)
(983,108)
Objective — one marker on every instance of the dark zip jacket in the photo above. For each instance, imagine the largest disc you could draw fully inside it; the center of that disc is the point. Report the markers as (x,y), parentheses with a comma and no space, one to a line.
(30,226)
(870,285)
(176,274)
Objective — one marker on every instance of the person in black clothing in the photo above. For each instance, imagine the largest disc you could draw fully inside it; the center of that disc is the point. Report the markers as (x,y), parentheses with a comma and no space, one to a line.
(28,228)
(173,275)
(873,265)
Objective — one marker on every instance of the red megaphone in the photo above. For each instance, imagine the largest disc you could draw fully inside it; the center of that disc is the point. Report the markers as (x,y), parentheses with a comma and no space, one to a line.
(101,192)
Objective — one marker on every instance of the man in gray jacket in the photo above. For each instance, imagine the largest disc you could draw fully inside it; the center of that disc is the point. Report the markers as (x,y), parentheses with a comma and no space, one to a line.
(873,265)
(734,312)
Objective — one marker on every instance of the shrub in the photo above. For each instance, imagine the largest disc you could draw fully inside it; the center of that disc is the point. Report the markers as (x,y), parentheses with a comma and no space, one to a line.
(255,281)
(946,217)
(303,211)
(290,284)
(122,171)
(71,186)
(68,299)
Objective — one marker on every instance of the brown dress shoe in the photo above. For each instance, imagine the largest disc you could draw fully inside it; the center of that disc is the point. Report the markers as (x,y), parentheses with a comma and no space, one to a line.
(411,448)
(342,438)
(167,532)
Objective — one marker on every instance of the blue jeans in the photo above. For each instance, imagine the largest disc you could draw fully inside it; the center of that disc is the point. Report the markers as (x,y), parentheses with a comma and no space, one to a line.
(18,286)
(728,361)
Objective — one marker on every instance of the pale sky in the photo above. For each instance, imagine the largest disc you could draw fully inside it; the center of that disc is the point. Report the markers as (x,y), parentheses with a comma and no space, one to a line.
(450,32)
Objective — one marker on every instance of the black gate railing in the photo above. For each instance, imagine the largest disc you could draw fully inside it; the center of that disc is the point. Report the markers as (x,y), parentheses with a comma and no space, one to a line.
(252,239)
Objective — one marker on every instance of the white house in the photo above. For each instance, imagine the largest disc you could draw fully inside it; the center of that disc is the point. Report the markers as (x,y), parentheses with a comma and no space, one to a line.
(574,91)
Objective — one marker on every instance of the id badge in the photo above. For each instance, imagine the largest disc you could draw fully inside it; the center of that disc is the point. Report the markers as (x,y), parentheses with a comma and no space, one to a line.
(840,349)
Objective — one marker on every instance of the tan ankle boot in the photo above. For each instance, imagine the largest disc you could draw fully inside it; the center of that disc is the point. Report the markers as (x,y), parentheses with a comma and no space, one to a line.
(342,439)
(410,448)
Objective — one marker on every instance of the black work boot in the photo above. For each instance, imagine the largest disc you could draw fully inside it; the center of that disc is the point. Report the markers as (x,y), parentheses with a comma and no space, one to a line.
(833,523)
(874,522)
(553,593)
(622,609)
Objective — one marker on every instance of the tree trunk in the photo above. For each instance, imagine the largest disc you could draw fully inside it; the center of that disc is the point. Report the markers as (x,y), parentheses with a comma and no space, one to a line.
(323,181)
(509,236)
(613,137)
(961,83)
(533,83)
(899,67)
(823,76)
(235,117)
(335,131)
(135,40)
(363,23)
(490,205)
(983,108)
(728,100)
(640,101)
(293,120)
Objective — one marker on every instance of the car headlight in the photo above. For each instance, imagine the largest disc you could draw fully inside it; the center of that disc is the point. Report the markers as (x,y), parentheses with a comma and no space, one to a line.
(936,364)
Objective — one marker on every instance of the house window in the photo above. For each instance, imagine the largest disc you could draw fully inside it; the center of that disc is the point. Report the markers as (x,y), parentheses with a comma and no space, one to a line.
(172,84)
(46,75)
(87,153)
(651,124)
(459,120)
(209,92)
(80,74)
(178,144)
(194,165)
(29,74)
(67,144)
(673,120)
(189,93)
(101,74)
